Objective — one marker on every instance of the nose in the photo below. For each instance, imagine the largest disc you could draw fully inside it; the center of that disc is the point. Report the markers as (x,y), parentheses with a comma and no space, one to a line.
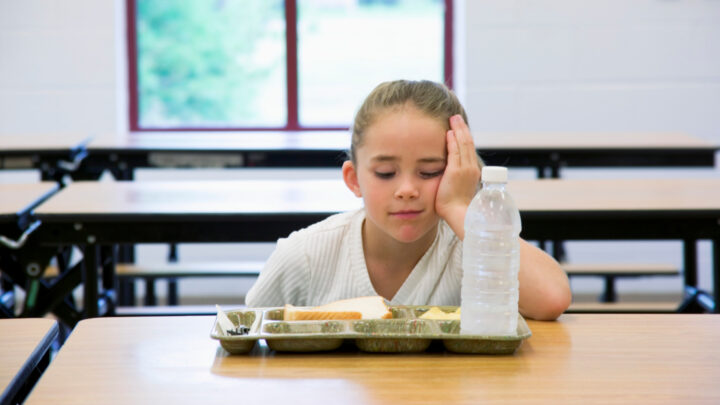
(407,189)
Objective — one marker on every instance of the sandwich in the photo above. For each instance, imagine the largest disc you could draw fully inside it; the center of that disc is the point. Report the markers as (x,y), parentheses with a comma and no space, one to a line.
(373,307)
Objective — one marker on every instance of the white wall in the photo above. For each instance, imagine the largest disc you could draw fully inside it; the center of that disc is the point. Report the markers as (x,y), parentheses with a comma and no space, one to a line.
(594,65)
(522,65)
(62,67)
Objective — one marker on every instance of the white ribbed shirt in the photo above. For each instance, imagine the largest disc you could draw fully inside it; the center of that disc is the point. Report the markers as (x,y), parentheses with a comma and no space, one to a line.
(325,262)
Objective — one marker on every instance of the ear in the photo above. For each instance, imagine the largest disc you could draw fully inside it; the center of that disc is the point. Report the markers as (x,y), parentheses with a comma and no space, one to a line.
(350,177)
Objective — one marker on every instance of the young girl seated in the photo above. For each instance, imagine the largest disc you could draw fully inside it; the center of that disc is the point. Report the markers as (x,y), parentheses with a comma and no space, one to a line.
(413,162)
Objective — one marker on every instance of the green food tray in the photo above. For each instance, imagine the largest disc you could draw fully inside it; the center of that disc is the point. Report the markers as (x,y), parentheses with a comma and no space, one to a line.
(405,332)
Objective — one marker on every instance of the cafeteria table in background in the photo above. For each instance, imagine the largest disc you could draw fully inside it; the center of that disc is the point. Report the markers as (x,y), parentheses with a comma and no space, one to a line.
(581,358)
(96,216)
(55,156)
(546,152)
(86,157)
(25,346)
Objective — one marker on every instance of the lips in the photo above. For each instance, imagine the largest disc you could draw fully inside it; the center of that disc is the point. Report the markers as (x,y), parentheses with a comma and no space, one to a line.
(406,214)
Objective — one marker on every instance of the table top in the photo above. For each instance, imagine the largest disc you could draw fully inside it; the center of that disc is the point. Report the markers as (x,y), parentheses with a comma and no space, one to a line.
(31,143)
(20,197)
(215,141)
(328,196)
(631,195)
(340,140)
(327,149)
(197,197)
(591,140)
(579,358)
(23,342)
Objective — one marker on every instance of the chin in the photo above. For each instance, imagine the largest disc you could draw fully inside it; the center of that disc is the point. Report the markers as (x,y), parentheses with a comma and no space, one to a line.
(409,236)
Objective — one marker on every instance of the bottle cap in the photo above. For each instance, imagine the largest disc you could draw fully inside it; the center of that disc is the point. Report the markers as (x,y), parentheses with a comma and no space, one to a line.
(494,174)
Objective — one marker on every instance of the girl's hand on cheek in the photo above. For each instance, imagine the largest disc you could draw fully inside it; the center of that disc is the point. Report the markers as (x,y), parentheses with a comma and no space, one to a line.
(460,179)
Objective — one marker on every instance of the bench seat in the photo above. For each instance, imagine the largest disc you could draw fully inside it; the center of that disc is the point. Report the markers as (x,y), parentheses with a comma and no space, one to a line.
(620,269)
(611,271)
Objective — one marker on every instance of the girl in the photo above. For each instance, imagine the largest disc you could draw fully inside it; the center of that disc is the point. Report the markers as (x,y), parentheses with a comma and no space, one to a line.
(413,162)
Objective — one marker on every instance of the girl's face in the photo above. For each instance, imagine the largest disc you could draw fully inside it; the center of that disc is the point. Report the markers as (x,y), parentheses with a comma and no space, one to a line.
(398,170)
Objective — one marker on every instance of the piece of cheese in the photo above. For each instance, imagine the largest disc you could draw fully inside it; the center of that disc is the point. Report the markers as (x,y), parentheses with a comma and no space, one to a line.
(439,314)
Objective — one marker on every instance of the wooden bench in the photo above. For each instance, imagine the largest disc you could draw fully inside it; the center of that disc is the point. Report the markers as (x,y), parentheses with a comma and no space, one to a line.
(170,310)
(127,273)
(172,271)
(190,269)
(615,270)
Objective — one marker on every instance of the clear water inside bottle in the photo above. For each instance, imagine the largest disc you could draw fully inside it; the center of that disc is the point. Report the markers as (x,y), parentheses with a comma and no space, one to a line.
(491,261)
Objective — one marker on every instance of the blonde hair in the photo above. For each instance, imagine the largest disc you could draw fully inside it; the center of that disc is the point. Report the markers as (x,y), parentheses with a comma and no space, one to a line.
(433,99)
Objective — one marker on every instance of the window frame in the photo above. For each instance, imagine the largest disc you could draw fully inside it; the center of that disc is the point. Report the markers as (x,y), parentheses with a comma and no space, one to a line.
(293,121)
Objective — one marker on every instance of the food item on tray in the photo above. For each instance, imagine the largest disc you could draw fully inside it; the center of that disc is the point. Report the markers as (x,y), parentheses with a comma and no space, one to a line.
(437,313)
(373,307)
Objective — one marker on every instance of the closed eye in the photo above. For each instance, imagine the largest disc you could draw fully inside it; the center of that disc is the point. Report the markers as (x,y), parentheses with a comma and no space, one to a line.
(385,175)
(429,175)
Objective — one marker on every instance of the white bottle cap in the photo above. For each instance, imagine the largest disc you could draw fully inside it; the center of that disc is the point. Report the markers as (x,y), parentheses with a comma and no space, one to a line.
(494,174)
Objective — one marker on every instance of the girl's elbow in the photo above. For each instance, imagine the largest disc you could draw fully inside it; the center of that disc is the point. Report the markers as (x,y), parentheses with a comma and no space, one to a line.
(552,304)
(556,303)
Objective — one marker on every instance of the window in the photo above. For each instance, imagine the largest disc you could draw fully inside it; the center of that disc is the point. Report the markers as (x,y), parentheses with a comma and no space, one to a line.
(278,65)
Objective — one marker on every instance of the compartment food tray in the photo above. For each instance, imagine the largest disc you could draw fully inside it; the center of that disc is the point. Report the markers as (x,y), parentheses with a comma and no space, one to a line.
(405,332)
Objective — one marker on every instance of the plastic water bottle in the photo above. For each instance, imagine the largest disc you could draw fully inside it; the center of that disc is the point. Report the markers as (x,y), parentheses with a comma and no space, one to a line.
(491,259)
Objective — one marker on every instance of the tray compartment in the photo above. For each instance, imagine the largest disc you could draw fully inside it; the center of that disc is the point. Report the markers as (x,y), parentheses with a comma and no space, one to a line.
(393,335)
(304,328)
(456,342)
(274,314)
(246,318)
(304,336)
(319,343)
(239,344)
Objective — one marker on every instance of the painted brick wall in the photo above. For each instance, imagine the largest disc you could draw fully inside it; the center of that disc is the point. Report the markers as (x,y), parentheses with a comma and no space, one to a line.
(59,66)
(593,65)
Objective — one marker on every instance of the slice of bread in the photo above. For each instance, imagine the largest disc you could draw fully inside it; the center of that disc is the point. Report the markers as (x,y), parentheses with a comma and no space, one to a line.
(293,313)
(373,307)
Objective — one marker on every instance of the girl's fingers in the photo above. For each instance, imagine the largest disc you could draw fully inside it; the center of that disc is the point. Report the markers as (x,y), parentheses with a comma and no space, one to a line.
(466,146)
(453,151)
(456,125)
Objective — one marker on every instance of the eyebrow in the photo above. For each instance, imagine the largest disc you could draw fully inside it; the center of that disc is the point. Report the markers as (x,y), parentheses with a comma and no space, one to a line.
(390,158)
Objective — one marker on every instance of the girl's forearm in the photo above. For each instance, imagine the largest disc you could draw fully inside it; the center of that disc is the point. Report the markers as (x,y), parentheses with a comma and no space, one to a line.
(544,286)
(456,219)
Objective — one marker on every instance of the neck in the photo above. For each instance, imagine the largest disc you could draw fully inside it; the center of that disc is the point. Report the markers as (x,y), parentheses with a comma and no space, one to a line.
(390,262)
(383,247)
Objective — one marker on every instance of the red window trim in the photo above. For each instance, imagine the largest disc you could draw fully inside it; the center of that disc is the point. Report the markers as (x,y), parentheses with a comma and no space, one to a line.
(293,122)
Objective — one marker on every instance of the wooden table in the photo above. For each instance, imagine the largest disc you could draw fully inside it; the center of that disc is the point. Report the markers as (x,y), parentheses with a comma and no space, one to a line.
(547,152)
(577,359)
(54,155)
(92,214)
(24,355)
